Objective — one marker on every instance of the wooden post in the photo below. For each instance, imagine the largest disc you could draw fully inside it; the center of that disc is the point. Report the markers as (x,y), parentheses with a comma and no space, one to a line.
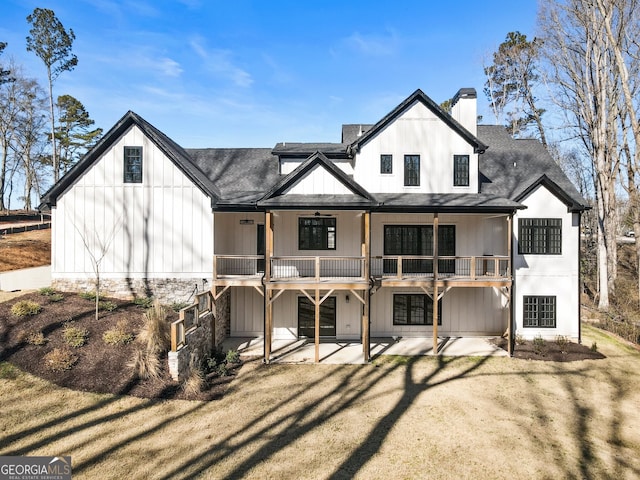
(510,298)
(268,304)
(366,248)
(268,324)
(435,283)
(317,339)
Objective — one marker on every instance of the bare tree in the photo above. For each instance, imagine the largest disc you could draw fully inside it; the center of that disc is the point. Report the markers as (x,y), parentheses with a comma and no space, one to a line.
(582,69)
(621,22)
(97,246)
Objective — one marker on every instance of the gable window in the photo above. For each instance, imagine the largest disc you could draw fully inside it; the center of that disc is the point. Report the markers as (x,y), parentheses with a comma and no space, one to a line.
(540,236)
(414,309)
(132,164)
(461,170)
(386,164)
(417,240)
(316,233)
(539,311)
(412,170)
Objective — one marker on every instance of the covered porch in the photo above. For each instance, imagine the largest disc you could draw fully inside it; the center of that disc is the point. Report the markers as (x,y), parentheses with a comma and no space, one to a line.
(350,352)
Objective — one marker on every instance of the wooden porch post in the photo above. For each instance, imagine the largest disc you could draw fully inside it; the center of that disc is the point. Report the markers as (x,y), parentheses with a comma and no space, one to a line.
(435,283)
(510,297)
(268,304)
(366,248)
(317,336)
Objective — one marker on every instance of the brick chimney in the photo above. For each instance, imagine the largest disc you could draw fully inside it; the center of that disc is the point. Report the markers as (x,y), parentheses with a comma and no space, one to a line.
(464,108)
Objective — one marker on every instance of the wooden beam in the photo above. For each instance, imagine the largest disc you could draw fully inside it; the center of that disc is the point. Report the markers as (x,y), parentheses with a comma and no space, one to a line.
(326,296)
(435,283)
(307,295)
(259,289)
(273,298)
(355,294)
(317,336)
(217,295)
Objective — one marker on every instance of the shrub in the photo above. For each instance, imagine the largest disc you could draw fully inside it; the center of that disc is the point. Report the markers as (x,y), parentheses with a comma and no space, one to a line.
(195,383)
(36,338)
(539,345)
(222,370)
(107,306)
(118,335)
(25,307)
(232,357)
(143,302)
(177,306)
(74,336)
(46,291)
(563,342)
(87,295)
(56,297)
(60,359)
(594,347)
(520,339)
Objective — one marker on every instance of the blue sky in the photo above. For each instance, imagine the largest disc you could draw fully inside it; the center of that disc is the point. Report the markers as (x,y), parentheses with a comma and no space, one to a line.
(240,73)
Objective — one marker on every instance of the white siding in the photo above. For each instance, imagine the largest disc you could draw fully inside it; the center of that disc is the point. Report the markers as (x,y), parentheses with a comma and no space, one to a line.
(465,311)
(319,181)
(160,228)
(416,132)
(234,238)
(288,165)
(348,236)
(552,275)
(247,312)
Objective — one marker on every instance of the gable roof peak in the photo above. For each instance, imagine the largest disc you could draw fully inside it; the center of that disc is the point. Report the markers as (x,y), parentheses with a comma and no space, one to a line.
(419,95)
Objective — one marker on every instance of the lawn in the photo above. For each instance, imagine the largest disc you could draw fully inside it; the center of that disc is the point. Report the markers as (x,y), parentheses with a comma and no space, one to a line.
(420,417)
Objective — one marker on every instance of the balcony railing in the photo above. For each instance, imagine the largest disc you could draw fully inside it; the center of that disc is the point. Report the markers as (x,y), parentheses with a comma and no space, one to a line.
(317,267)
(385,267)
(468,268)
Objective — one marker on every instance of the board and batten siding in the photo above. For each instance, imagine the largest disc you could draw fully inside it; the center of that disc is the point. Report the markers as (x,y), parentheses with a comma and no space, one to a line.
(319,181)
(476,234)
(549,275)
(418,131)
(160,228)
(465,311)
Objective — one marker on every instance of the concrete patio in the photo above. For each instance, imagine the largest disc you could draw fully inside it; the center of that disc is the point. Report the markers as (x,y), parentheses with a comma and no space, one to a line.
(350,352)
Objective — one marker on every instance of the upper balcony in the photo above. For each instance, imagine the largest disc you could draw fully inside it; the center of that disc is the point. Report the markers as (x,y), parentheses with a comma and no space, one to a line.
(390,270)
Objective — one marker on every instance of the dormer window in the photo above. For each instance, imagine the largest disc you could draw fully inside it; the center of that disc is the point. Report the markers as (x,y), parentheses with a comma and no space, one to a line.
(132,164)
(412,170)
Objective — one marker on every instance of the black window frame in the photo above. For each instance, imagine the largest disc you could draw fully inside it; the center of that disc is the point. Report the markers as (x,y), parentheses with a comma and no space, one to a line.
(412,170)
(317,233)
(386,164)
(461,170)
(328,316)
(133,163)
(539,311)
(411,301)
(417,240)
(540,236)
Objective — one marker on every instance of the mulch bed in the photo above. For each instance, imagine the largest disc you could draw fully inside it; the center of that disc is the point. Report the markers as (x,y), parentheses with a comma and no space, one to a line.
(100,368)
(552,351)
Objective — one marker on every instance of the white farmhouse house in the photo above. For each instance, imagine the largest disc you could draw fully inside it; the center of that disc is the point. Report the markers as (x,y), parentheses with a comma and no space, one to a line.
(423,224)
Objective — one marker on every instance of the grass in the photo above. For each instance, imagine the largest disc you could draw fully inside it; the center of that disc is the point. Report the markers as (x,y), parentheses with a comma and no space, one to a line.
(408,417)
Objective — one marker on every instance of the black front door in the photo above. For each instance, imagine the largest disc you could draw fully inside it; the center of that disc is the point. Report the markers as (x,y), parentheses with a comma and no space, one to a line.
(307,318)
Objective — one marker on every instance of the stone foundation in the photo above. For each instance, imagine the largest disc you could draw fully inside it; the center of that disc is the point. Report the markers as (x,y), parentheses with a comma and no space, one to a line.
(167,290)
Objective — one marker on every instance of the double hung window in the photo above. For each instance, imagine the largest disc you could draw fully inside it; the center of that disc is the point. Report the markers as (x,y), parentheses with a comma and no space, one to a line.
(317,233)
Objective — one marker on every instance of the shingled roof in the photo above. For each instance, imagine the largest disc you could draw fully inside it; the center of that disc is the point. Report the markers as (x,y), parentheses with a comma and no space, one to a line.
(511,168)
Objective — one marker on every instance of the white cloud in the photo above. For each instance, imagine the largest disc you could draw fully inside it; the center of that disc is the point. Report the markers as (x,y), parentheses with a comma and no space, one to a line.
(373,45)
(220,63)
